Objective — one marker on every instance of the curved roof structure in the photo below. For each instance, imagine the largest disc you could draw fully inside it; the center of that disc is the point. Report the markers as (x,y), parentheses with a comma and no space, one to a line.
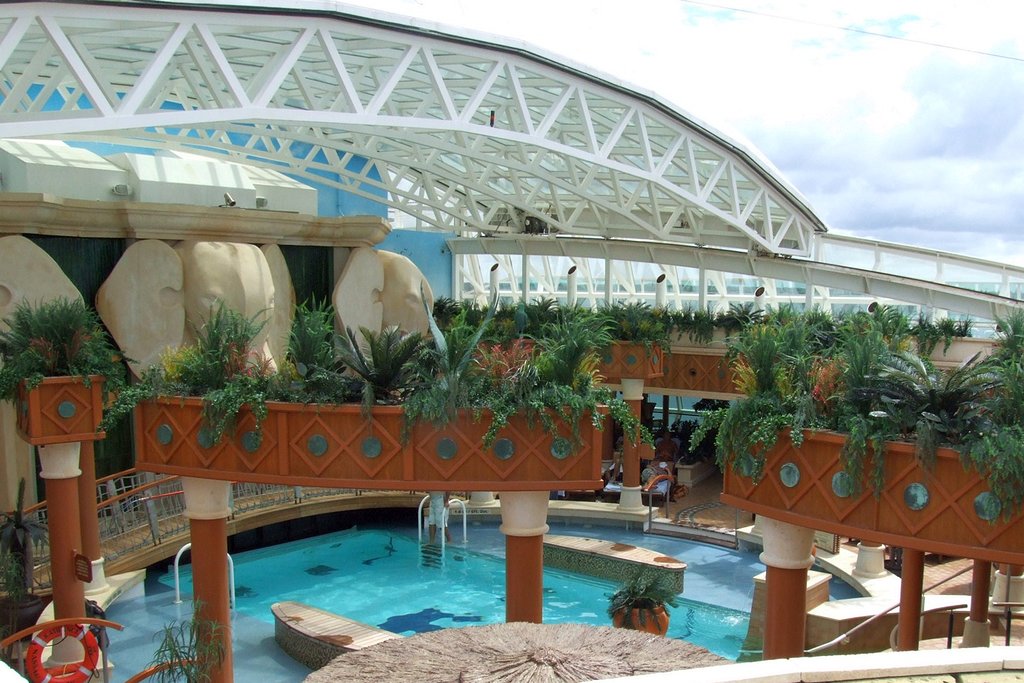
(466,133)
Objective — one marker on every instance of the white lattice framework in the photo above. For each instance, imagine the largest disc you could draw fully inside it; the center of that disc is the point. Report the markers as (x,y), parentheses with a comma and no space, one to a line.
(460,134)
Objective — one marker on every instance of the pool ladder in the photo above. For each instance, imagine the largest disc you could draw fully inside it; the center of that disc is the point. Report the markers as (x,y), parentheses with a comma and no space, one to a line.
(421,522)
(177,582)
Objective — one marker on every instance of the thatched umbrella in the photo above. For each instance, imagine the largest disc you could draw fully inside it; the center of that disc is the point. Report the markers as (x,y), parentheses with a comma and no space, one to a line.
(516,653)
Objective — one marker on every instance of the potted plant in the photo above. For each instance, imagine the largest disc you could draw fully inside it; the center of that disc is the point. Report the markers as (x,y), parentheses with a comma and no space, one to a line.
(59,366)
(20,606)
(642,603)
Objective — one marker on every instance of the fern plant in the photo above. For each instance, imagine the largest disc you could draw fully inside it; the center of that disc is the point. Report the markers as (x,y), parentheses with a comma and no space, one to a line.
(62,337)
(384,361)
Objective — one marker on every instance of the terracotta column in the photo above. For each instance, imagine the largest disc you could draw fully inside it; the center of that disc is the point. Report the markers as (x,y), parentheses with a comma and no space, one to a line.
(911,585)
(207,508)
(60,470)
(976,624)
(787,556)
(524,522)
(88,520)
(630,499)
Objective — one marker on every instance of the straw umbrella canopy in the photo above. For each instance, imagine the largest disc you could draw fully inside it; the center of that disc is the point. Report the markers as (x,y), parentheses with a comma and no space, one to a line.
(516,653)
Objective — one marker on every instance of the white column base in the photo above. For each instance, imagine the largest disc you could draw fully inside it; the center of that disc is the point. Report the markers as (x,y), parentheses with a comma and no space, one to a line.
(60,460)
(524,513)
(206,498)
(786,546)
(99,578)
(482,499)
(976,634)
(630,500)
(870,561)
(1016,592)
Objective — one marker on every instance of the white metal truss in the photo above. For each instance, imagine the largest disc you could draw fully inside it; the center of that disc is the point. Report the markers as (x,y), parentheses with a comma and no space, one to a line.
(461,133)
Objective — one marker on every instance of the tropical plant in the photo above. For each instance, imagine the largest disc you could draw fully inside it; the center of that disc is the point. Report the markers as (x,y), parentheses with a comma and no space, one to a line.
(637,323)
(62,337)
(17,531)
(187,650)
(385,362)
(640,597)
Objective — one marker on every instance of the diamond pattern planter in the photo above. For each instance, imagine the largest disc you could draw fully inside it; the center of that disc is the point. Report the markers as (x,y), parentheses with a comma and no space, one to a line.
(946,510)
(60,410)
(311,445)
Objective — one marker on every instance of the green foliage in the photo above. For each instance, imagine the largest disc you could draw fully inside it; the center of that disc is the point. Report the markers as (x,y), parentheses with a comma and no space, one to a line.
(17,530)
(1010,334)
(869,385)
(385,362)
(637,323)
(644,592)
(188,650)
(61,337)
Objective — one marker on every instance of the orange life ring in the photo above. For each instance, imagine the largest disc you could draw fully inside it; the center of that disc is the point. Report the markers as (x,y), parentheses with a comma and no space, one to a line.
(77,672)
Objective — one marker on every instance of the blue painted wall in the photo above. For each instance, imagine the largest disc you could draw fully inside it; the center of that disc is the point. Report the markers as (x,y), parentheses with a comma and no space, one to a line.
(430,254)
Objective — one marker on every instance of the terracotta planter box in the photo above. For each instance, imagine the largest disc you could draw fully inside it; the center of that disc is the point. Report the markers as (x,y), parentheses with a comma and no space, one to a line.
(945,510)
(60,410)
(311,445)
(624,360)
(698,372)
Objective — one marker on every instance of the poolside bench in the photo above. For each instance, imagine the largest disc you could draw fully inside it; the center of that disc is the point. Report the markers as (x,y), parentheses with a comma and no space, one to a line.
(314,636)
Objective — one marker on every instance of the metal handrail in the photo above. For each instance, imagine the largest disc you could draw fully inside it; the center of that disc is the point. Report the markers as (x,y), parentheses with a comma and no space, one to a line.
(139,510)
(845,637)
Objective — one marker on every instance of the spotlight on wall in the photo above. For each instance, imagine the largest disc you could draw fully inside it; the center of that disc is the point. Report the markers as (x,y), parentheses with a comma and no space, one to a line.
(122,190)
(872,307)
(261,202)
(228,200)
(759,291)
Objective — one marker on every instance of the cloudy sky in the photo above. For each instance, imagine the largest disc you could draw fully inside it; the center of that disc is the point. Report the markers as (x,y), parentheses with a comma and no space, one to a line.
(917,139)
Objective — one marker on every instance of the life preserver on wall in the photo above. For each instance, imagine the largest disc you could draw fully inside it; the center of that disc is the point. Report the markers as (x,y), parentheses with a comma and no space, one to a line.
(75,672)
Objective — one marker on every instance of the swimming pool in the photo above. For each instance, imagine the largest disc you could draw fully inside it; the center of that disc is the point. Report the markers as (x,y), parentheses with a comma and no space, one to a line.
(382,577)
(387,579)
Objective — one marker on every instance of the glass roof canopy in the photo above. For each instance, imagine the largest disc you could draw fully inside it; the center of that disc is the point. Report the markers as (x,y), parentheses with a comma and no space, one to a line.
(533,163)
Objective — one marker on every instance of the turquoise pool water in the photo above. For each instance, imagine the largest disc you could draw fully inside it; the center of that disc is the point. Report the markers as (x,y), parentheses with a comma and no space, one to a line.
(387,579)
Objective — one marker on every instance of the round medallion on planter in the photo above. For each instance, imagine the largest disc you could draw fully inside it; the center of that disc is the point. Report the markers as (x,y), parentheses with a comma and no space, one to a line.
(561,448)
(372,447)
(631,359)
(251,441)
(789,473)
(504,449)
(447,448)
(67,409)
(842,484)
(205,437)
(164,434)
(317,445)
(987,506)
(916,496)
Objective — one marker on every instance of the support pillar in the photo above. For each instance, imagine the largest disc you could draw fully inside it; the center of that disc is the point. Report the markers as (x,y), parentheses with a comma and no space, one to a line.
(60,470)
(88,518)
(870,561)
(911,585)
(207,508)
(630,499)
(524,522)
(976,625)
(787,557)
